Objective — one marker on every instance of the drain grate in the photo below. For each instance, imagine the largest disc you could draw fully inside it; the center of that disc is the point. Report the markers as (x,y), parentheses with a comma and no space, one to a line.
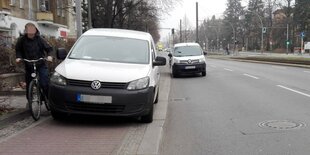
(282,124)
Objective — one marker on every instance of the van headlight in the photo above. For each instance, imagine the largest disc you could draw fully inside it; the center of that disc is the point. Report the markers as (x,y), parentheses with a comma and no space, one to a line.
(201,60)
(57,79)
(176,60)
(139,84)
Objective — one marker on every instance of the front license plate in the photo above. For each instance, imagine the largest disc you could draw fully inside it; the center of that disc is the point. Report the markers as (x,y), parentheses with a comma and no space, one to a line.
(190,67)
(94,99)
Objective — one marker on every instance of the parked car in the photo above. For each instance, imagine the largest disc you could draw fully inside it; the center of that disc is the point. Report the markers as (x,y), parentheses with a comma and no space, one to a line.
(110,72)
(187,58)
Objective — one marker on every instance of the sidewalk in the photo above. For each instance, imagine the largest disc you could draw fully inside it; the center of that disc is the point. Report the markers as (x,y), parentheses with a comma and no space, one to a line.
(258,53)
(17,103)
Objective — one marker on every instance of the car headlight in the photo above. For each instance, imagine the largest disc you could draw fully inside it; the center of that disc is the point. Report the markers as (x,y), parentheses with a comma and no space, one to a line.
(139,84)
(201,60)
(57,79)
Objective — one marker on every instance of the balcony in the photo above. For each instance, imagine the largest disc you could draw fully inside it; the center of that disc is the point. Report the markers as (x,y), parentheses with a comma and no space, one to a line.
(45,16)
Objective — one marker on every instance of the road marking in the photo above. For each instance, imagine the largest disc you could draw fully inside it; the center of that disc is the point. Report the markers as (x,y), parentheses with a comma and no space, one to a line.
(294,90)
(213,66)
(254,77)
(228,69)
(278,67)
(307,71)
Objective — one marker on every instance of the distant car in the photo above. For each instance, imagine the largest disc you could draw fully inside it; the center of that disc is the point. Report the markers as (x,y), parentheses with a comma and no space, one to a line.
(110,72)
(187,58)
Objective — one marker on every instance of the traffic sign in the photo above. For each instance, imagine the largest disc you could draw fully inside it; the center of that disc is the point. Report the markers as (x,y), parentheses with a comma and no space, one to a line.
(264,29)
(302,34)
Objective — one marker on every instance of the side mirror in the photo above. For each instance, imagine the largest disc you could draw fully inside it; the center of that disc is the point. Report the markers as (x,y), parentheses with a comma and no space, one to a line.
(170,55)
(61,53)
(205,53)
(159,61)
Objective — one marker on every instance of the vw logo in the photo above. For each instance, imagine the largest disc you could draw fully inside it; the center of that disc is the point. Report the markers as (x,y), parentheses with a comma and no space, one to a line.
(96,85)
(189,61)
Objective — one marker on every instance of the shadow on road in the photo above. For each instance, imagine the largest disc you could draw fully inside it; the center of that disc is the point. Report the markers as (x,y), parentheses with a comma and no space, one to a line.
(96,121)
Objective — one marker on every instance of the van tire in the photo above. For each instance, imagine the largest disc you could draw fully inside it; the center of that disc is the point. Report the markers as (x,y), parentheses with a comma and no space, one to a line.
(148,118)
(57,115)
(203,73)
(174,74)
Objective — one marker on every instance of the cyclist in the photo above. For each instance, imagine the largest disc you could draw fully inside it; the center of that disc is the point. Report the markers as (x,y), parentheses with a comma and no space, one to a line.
(31,46)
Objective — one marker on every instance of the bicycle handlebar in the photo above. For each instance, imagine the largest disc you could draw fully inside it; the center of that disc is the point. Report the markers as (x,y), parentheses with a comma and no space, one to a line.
(33,61)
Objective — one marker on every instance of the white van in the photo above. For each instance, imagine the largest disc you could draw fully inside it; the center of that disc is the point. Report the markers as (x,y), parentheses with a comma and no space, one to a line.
(110,72)
(187,58)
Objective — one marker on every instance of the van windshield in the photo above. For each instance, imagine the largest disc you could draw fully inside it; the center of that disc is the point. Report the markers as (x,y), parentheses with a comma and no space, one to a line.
(187,51)
(112,49)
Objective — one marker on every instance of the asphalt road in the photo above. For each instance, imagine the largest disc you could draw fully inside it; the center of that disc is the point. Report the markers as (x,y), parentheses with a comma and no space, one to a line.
(239,109)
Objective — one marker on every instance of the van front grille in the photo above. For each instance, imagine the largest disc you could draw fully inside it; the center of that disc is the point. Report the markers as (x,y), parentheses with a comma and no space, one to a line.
(194,61)
(113,85)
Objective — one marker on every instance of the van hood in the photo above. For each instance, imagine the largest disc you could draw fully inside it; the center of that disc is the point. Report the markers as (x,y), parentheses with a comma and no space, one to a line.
(103,71)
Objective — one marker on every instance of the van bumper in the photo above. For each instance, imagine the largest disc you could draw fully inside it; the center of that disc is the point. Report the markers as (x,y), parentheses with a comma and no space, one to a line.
(189,68)
(64,99)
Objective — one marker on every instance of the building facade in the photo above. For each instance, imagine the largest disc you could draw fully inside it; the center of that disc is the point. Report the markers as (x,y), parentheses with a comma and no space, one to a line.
(50,16)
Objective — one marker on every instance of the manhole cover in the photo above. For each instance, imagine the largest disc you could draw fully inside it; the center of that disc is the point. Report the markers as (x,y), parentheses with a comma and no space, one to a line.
(281,124)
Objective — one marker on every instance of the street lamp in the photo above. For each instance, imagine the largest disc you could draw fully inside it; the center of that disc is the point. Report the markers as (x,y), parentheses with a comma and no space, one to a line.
(262,25)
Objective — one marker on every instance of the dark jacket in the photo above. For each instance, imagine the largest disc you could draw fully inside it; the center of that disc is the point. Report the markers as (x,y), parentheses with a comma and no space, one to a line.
(32,48)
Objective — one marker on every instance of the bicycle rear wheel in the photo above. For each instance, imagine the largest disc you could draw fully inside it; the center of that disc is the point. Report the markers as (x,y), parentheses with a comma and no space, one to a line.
(34,100)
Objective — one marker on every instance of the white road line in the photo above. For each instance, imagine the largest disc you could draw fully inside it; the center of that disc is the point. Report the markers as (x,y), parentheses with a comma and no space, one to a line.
(254,77)
(213,66)
(294,90)
(307,71)
(278,67)
(228,69)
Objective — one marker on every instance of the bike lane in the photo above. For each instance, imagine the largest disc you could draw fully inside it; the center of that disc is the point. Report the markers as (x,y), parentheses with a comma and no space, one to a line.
(70,137)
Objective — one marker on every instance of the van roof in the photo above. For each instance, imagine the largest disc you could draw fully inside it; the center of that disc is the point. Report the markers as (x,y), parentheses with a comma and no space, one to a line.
(113,32)
(186,44)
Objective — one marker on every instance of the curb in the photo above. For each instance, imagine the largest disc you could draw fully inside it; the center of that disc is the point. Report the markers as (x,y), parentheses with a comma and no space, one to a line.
(262,62)
(13,117)
(15,93)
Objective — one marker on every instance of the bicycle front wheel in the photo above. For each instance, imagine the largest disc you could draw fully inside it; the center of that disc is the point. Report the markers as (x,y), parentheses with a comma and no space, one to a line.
(34,100)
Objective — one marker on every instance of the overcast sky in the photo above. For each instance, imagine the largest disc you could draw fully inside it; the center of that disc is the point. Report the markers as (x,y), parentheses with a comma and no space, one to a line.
(187,8)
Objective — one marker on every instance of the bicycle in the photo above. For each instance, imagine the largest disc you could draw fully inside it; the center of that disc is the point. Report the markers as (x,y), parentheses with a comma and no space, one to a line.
(170,60)
(35,92)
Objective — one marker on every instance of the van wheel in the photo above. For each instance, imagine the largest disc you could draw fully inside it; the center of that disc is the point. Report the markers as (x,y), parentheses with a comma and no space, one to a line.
(203,73)
(148,118)
(57,115)
(174,74)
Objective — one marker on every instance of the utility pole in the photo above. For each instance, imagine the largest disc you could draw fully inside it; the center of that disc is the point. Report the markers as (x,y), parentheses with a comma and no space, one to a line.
(78,18)
(302,43)
(90,25)
(197,38)
(287,38)
(180,30)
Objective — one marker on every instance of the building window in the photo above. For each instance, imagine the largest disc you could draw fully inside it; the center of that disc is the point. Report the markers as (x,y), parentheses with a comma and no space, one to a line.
(60,8)
(63,9)
(12,2)
(58,4)
(44,5)
(21,3)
